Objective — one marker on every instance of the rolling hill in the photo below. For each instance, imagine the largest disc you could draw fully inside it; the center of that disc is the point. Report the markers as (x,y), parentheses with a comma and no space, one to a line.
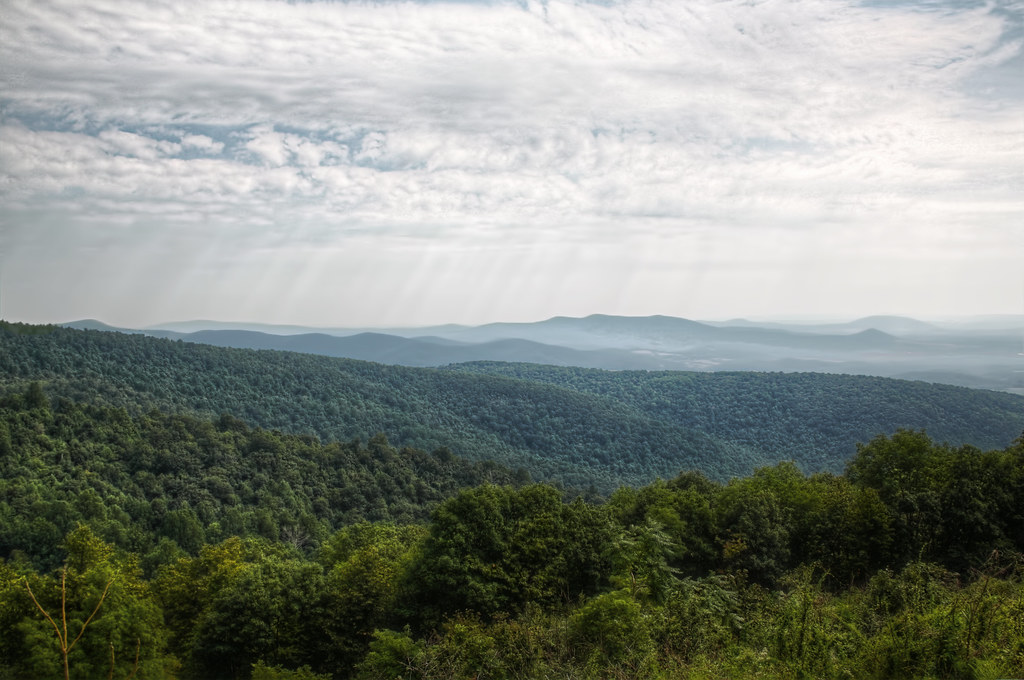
(983,354)
(581,427)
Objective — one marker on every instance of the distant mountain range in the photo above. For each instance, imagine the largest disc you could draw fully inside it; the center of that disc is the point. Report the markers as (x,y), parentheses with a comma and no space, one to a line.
(986,353)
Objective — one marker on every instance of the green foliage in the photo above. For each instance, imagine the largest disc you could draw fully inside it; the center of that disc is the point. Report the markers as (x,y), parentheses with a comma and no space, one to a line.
(701,617)
(114,624)
(950,505)
(35,398)
(15,606)
(365,564)
(161,485)
(759,528)
(809,634)
(580,426)
(494,549)
(240,602)
(266,610)
(813,419)
(261,671)
(640,561)
(928,624)
(392,656)
(613,630)
(214,549)
(846,530)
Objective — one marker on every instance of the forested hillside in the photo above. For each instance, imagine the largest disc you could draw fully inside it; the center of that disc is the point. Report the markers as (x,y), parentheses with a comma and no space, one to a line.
(154,483)
(807,417)
(191,549)
(553,432)
(577,426)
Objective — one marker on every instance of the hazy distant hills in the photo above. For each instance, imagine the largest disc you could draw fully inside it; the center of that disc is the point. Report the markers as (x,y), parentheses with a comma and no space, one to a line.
(985,352)
(893,325)
(420,351)
(581,426)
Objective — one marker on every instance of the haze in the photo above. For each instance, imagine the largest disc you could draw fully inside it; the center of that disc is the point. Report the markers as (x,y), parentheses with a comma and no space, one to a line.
(397,163)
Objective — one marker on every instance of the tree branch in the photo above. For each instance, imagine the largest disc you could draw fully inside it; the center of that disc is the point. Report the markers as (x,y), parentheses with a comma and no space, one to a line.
(96,609)
(48,617)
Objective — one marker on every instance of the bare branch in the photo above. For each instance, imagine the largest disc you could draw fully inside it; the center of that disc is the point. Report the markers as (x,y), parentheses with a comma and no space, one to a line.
(48,617)
(96,609)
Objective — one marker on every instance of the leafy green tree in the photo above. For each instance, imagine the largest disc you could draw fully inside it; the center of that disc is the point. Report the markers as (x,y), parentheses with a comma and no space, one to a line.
(683,508)
(15,607)
(100,620)
(701,617)
(978,493)
(640,562)
(903,469)
(493,549)
(366,564)
(267,610)
(392,656)
(187,587)
(614,631)
(35,398)
(241,602)
(756,530)
(65,643)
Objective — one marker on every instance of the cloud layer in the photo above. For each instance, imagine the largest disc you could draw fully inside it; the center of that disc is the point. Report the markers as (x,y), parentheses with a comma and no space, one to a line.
(742,153)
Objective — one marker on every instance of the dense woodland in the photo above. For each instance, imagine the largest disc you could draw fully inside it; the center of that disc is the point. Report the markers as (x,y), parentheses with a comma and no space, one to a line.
(579,427)
(806,417)
(196,548)
(200,513)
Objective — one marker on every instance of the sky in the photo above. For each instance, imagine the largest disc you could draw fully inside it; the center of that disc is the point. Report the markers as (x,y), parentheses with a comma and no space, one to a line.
(375,164)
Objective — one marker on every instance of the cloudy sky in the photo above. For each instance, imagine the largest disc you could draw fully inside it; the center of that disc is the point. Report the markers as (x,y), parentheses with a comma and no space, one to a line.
(407,163)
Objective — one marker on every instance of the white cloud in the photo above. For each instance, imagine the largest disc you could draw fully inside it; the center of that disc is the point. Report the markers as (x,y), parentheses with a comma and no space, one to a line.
(268,145)
(579,126)
(202,142)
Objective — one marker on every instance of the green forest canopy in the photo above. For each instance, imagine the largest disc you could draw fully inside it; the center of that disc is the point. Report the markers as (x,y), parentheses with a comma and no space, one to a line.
(580,427)
(194,513)
(210,554)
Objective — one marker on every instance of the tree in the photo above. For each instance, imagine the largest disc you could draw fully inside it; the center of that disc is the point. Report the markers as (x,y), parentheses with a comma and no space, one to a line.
(267,609)
(100,613)
(64,643)
(493,549)
(365,566)
(615,631)
(904,469)
(640,562)
(755,532)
